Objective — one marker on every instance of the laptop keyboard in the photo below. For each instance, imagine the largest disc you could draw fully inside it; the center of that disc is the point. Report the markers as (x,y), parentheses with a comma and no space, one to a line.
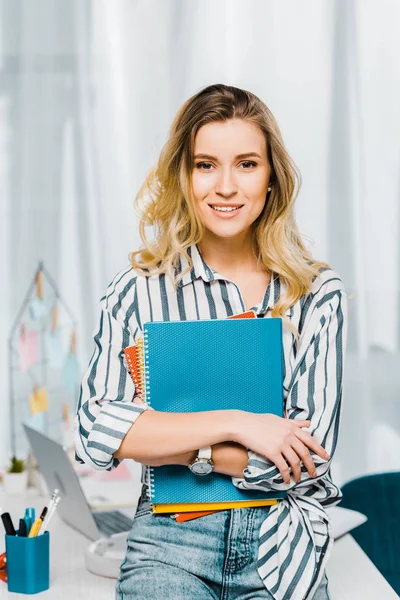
(112,521)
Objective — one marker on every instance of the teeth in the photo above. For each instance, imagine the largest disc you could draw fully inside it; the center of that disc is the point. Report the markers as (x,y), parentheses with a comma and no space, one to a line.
(225,208)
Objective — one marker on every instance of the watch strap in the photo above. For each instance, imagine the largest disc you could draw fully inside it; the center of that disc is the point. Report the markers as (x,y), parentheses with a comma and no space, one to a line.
(204,453)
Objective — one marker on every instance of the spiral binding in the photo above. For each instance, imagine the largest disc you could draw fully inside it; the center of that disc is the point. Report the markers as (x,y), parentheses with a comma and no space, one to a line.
(140,357)
(146,391)
(135,365)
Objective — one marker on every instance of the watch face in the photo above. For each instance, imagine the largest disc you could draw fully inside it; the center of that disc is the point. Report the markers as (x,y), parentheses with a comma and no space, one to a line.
(202,468)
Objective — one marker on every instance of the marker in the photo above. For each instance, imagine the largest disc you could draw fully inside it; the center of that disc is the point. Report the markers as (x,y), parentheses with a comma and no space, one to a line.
(29,518)
(22,531)
(8,524)
(35,528)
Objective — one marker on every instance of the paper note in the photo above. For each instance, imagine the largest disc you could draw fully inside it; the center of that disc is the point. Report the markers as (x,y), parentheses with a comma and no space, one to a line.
(28,348)
(37,309)
(37,421)
(71,374)
(55,353)
(38,401)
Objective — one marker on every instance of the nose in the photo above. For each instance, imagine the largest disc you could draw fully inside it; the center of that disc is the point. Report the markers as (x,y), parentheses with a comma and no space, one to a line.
(226,184)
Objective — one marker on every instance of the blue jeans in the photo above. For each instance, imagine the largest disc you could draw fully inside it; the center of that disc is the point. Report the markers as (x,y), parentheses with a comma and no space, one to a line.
(210,558)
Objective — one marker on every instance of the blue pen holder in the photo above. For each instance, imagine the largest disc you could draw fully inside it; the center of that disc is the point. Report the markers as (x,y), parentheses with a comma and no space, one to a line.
(28,563)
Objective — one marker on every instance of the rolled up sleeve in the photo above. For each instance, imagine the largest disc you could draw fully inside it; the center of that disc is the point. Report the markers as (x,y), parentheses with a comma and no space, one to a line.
(105,410)
(315,390)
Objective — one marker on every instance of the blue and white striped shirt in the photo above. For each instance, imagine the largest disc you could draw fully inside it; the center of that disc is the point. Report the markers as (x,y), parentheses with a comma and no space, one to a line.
(296,537)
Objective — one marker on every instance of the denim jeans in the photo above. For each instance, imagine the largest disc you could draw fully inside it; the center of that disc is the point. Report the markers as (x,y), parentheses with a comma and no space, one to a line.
(210,558)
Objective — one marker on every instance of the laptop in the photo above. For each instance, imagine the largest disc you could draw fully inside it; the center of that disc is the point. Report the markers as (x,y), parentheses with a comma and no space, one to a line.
(73,508)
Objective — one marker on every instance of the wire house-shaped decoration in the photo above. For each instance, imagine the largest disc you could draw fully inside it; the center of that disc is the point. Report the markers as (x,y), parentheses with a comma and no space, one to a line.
(43,366)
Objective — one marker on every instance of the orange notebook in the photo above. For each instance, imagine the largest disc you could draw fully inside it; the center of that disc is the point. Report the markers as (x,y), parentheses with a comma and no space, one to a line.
(135,362)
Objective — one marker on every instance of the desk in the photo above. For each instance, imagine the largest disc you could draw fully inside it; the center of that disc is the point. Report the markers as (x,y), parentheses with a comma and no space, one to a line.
(350,572)
(353,576)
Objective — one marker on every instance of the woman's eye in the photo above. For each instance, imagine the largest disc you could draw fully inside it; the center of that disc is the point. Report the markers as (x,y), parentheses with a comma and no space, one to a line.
(250,162)
(200,165)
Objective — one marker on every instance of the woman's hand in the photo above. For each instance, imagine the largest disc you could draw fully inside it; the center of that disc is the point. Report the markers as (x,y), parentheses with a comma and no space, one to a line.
(280,440)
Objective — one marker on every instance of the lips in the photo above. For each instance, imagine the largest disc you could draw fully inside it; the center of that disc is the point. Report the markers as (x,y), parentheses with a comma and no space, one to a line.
(226,214)
(226,205)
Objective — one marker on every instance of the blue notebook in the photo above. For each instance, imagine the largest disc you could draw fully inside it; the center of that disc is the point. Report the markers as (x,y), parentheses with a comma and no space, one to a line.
(193,366)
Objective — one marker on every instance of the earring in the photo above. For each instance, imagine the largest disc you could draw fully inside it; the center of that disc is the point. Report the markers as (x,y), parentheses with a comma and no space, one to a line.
(269,189)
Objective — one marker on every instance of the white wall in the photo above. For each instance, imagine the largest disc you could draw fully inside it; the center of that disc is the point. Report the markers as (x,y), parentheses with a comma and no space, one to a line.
(88,93)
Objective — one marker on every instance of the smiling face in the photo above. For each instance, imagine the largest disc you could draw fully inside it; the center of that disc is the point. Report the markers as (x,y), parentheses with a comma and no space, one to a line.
(230,170)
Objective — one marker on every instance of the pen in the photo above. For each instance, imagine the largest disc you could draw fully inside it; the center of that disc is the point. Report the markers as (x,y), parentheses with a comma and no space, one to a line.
(37,524)
(8,524)
(51,513)
(42,516)
(22,531)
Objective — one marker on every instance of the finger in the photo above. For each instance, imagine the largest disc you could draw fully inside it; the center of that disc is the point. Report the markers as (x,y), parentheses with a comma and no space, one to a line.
(282,465)
(312,443)
(300,423)
(303,452)
(294,461)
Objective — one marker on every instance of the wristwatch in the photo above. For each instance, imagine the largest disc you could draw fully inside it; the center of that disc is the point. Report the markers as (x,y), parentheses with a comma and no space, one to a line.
(202,464)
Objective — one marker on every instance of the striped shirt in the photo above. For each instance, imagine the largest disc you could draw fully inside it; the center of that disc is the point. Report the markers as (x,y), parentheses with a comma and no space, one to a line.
(295,538)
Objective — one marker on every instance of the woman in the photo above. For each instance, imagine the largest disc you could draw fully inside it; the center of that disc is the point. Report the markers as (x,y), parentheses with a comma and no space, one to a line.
(221,201)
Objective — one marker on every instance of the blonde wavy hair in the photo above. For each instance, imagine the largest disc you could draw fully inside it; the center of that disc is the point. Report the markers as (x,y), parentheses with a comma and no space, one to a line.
(165,201)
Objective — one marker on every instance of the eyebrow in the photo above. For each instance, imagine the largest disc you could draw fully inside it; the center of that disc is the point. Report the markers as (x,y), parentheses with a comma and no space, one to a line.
(244,155)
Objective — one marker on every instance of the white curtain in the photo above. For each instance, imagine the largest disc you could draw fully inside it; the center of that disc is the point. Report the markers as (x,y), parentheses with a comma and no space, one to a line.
(88,92)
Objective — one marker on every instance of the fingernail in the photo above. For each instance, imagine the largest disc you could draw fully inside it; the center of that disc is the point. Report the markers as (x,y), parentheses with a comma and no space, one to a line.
(314,474)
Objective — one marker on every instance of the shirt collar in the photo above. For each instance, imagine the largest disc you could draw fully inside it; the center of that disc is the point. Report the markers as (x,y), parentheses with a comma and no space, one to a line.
(201,270)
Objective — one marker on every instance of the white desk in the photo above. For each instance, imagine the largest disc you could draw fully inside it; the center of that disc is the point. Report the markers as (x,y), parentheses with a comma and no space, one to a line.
(352,576)
(350,572)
